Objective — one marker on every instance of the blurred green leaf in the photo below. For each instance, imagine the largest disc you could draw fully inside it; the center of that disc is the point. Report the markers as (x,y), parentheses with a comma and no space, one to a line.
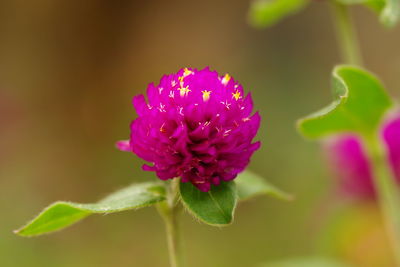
(376,5)
(62,214)
(264,13)
(360,102)
(307,262)
(390,14)
(215,207)
(354,2)
(388,10)
(250,185)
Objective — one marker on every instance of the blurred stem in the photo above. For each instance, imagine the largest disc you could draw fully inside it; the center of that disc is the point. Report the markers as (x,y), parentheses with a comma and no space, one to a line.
(388,192)
(345,34)
(170,211)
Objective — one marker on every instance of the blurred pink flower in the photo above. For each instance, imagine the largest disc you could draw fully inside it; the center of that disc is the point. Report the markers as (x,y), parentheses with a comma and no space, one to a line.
(349,162)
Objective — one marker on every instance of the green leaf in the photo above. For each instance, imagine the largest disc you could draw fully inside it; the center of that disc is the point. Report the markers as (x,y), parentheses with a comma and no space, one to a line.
(354,2)
(62,214)
(390,14)
(376,5)
(215,207)
(307,262)
(388,10)
(360,102)
(265,13)
(250,185)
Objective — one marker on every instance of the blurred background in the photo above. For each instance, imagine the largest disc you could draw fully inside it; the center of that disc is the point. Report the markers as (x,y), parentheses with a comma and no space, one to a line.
(68,72)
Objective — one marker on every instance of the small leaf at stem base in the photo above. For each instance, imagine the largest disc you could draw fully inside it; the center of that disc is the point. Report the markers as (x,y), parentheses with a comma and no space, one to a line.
(250,185)
(215,207)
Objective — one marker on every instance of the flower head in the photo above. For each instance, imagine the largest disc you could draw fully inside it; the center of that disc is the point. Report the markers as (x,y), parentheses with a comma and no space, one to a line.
(350,163)
(196,125)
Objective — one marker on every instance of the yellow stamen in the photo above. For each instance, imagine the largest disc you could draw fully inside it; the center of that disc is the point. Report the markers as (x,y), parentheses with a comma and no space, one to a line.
(186,72)
(206,95)
(236,95)
(226,79)
(183,91)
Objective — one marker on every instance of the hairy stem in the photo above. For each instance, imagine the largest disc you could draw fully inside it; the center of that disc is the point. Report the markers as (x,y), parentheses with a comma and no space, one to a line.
(170,211)
(345,34)
(388,192)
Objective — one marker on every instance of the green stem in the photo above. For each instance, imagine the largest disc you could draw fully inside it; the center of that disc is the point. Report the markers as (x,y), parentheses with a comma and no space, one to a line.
(388,192)
(345,34)
(170,211)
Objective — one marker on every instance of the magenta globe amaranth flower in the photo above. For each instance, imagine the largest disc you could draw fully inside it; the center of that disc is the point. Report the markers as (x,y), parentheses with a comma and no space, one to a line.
(350,164)
(196,125)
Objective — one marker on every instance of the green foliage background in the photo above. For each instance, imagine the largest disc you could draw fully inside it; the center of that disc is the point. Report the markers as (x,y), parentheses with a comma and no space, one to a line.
(68,71)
